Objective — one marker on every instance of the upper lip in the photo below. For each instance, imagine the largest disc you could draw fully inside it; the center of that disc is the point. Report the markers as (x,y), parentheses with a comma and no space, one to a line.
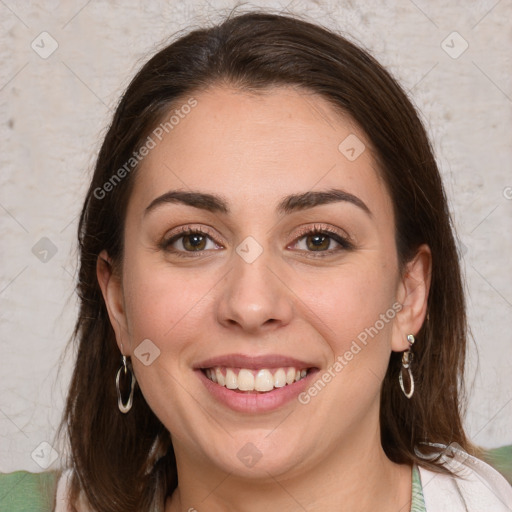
(253,362)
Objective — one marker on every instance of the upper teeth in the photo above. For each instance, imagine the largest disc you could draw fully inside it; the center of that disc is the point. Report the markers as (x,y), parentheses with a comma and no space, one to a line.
(251,380)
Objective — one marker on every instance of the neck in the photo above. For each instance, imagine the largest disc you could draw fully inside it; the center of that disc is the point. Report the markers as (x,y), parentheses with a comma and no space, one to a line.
(357,476)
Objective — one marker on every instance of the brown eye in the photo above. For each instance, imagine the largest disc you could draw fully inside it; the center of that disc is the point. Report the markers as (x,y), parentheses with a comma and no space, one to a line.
(322,241)
(188,241)
(194,242)
(318,241)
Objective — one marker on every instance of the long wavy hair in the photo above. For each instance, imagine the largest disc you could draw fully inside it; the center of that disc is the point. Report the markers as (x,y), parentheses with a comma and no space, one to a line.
(122,461)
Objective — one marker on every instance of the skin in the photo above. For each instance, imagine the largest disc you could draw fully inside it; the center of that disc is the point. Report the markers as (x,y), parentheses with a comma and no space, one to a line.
(253,150)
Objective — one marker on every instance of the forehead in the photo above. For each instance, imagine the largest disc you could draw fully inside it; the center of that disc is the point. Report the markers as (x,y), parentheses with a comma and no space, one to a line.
(254,149)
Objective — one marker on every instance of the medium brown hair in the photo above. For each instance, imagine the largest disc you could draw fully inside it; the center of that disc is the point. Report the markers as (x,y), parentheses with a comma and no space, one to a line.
(123,461)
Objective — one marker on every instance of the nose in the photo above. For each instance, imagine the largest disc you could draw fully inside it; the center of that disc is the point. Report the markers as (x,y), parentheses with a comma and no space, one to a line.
(255,297)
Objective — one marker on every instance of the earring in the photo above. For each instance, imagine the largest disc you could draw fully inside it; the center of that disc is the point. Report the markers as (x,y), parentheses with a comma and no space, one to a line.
(407,357)
(124,408)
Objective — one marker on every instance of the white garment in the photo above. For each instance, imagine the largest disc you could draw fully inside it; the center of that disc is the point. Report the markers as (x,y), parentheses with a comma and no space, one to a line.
(477,487)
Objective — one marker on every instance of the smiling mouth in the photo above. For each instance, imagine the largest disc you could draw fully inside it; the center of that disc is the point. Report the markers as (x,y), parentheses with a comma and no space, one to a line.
(244,380)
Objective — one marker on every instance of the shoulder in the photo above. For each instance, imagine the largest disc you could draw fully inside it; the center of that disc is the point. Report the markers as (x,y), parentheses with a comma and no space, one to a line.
(475,487)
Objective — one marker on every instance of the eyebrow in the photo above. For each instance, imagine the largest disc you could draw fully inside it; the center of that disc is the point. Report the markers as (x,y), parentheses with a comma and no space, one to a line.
(289,204)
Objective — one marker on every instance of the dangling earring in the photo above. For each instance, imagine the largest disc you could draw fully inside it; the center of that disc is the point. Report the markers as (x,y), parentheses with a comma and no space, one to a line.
(407,357)
(124,408)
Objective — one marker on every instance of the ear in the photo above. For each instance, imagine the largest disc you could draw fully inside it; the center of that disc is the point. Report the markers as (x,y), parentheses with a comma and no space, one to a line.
(412,293)
(111,288)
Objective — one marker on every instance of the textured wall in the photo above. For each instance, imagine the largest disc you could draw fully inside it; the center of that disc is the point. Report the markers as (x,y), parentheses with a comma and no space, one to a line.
(54,109)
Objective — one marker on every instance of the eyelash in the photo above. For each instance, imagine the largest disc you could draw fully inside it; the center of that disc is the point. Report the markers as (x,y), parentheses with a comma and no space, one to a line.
(309,231)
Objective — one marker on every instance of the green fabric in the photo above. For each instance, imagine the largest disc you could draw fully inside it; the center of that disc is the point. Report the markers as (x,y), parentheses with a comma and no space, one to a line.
(22,491)
(417,501)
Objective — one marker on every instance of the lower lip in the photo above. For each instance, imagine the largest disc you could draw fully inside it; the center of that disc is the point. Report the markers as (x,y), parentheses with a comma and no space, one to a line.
(256,402)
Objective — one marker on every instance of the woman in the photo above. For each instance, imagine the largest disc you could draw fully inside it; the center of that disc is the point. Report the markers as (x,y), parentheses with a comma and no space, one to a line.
(272,312)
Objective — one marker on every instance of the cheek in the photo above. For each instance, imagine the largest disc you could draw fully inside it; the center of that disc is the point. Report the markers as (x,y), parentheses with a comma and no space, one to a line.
(347,302)
(352,309)
(160,298)
(168,307)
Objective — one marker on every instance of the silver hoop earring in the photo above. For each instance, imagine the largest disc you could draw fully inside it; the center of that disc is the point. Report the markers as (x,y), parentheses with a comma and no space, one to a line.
(407,358)
(124,408)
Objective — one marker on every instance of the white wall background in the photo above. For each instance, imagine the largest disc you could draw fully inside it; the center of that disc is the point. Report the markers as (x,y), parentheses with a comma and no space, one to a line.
(53,112)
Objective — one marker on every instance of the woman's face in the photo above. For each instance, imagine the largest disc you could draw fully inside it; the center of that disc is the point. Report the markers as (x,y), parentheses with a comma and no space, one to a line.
(295,269)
